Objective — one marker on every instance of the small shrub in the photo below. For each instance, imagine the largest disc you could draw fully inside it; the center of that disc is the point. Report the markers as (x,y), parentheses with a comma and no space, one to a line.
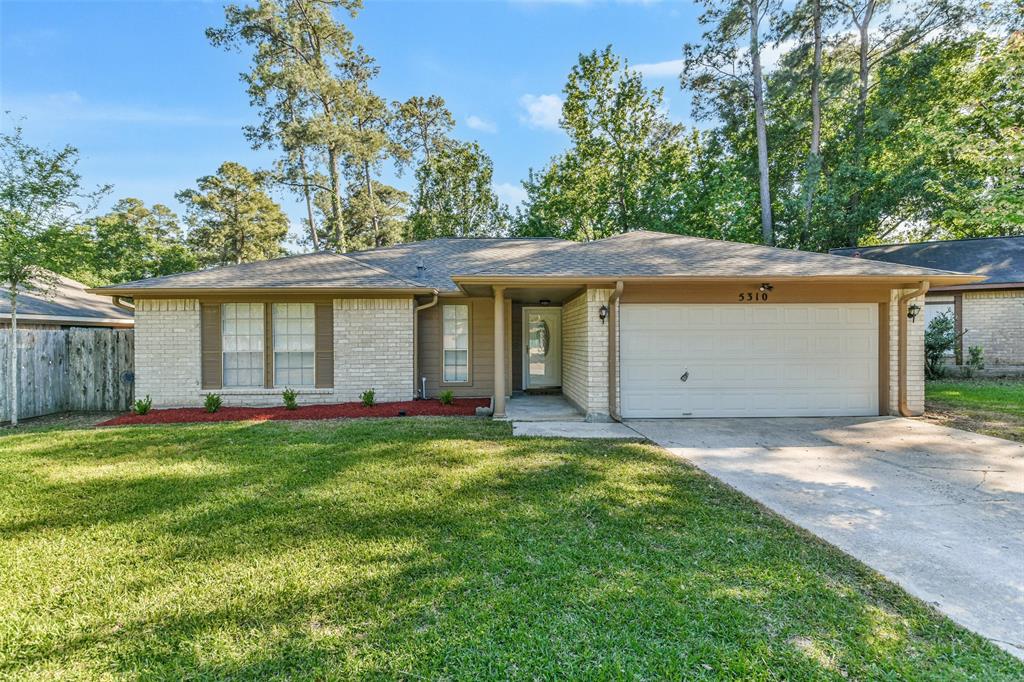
(939,339)
(142,405)
(212,403)
(291,399)
(368,398)
(977,357)
(447,397)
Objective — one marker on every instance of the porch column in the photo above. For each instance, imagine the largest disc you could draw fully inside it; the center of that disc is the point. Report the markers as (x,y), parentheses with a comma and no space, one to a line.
(499,352)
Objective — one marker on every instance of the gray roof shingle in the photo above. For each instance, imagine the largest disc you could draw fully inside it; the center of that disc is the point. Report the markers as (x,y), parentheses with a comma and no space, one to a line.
(658,254)
(68,300)
(319,270)
(1000,259)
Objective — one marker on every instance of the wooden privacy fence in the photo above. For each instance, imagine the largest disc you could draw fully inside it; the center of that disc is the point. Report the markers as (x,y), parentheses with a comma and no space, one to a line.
(68,369)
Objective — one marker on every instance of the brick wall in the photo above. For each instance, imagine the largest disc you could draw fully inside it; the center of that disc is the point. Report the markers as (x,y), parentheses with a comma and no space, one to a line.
(994,320)
(372,349)
(915,355)
(585,353)
(167,351)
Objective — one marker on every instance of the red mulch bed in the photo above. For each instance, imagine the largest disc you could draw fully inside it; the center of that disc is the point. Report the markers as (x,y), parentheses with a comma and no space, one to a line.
(412,408)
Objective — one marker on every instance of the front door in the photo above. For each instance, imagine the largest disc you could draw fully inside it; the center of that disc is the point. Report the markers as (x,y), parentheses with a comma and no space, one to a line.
(542,347)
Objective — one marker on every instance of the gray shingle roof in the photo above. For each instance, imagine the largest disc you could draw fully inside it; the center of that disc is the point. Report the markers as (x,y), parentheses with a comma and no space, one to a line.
(631,255)
(319,270)
(68,300)
(1001,259)
(443,258)
(658,254)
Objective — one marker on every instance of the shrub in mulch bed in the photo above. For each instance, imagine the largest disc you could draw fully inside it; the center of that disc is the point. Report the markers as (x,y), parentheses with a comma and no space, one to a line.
(412,408)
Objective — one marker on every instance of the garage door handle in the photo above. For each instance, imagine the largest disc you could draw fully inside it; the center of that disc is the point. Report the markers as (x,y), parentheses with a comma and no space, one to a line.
(686,375)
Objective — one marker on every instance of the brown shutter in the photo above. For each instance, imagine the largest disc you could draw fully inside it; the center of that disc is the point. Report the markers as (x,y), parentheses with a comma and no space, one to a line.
(324,364)
(210,344)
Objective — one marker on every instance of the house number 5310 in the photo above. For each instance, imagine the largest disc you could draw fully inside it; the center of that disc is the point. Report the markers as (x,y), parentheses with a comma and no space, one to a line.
(750,296)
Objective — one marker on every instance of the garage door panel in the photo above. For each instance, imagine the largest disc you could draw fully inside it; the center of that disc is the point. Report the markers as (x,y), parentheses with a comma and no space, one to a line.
(749,360)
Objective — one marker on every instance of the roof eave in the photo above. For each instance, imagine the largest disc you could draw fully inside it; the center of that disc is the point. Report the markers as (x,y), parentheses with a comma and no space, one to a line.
(936,279)
(187,292)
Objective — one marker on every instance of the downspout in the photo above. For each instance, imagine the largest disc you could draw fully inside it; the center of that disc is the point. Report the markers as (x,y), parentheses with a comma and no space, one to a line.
(902,313)
(121,304)
(416,342)
(613,351)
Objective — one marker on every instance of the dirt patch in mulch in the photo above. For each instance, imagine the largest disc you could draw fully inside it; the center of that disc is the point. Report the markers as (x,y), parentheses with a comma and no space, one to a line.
(464,407)
(996,424)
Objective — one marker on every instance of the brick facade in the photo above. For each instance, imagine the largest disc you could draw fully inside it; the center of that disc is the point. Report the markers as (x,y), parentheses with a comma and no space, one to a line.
(915,356)
(372,349)
(585,353)
(994,320)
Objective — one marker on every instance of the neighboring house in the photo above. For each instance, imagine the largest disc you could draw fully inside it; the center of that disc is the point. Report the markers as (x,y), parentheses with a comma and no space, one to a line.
(67,304)
(989,312)
(643,324)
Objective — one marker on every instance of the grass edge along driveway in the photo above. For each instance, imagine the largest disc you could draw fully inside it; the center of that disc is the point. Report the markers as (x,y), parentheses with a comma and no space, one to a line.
(994,407)
(433,548)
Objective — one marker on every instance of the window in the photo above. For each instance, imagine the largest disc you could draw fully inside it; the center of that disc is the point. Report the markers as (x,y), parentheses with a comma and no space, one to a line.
(242,343)
(455,333)
(935,306)
(294,343)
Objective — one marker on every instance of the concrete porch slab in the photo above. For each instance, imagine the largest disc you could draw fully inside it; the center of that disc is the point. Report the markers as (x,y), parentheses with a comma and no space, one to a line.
(540,408)
(574,429)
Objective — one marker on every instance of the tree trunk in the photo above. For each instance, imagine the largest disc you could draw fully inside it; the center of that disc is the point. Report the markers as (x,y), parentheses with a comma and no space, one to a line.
(860,118)
(314,239)
(375,221)
(814,155)
(338,227)
(767,233)
(14,355)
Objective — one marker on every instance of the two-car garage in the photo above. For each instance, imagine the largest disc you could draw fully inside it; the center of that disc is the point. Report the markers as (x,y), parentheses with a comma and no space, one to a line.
(748,360)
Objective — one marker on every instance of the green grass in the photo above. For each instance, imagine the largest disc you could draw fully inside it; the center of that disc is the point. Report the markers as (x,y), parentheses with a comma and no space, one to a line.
(991,395)
(426,549)
(994,407)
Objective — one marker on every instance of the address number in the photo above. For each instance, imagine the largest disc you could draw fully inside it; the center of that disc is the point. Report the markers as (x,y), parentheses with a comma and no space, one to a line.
(753,296)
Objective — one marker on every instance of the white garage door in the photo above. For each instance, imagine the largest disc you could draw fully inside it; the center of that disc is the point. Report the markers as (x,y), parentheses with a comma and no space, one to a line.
(749,360)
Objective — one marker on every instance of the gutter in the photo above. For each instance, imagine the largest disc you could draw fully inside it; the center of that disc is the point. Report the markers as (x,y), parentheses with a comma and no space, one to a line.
(416,342)
(613,352)
(122,305)
(904,410)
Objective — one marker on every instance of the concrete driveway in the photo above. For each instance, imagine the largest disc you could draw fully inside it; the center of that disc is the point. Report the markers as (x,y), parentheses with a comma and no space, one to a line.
(937,510)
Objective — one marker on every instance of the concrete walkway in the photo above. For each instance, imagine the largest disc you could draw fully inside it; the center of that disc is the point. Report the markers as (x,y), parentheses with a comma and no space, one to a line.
(937,510)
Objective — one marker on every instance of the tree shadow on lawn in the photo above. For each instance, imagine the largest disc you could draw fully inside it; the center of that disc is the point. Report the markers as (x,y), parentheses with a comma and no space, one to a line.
(446,549)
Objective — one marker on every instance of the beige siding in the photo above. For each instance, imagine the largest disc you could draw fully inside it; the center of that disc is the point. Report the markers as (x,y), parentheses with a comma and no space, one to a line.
(994,320)
(481,348)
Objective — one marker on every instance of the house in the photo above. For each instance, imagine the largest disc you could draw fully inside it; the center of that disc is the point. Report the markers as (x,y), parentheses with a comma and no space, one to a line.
(643,324)
(67,304)
(989,312)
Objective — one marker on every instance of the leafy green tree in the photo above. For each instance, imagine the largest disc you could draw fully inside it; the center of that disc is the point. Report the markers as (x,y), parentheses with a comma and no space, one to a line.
(40,198)
(232,218)
(454,195)
(421,127)
(613,177)
(303,64)
(390,208)
(729,60)
(134,242)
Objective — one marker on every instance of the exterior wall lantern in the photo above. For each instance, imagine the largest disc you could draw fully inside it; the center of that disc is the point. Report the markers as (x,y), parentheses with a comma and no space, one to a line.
(603,313)
(913,310)
(765,287)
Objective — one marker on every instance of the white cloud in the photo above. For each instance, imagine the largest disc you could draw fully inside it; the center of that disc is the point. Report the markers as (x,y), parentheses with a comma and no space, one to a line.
(70,106)
(667,69)
(512,194)
(541,111)
(481,124)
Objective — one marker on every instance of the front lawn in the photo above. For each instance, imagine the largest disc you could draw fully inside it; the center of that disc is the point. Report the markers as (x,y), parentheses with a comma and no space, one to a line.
(991,406)
(425,548)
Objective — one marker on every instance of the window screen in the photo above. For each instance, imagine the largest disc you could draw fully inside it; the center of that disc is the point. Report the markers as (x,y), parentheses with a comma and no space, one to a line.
(242,343)
(294,344)
(456,343)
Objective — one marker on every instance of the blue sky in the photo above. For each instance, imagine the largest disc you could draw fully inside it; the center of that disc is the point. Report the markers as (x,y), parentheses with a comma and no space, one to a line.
(152,106)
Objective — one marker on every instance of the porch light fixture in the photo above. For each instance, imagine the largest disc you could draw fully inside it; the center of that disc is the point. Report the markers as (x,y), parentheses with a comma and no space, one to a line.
(545,301)
(913,310)
(765,287)
(603,313)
